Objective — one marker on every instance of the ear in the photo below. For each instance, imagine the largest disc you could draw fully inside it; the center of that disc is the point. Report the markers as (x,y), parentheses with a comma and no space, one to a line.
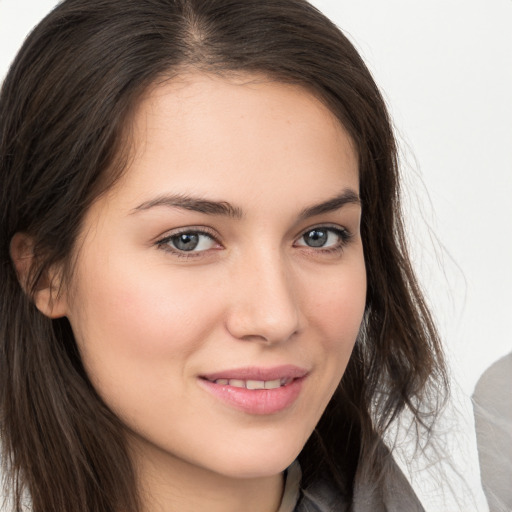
(47,294)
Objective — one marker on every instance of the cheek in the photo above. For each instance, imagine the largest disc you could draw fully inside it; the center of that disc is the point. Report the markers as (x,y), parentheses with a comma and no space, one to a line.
(338,306)
(337,311)
(129,322)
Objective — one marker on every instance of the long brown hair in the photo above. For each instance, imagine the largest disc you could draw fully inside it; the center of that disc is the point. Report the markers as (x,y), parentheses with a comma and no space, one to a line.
(64,109)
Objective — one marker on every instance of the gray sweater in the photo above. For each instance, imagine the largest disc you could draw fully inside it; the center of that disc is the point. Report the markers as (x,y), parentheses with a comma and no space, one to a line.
(392,494)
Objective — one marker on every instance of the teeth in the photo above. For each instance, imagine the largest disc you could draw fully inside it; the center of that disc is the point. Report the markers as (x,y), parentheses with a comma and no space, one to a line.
(254,384)
(273,384)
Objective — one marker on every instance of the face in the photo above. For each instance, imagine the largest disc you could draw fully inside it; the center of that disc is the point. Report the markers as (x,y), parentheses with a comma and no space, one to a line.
(220,284)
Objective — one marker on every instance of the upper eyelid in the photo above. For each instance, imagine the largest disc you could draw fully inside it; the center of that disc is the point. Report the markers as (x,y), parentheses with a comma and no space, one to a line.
(333,227)
(346,233)
(203,230)
(213,233)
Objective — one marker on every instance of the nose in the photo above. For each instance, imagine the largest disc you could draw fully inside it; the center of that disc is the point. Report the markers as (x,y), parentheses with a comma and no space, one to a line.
(264,303)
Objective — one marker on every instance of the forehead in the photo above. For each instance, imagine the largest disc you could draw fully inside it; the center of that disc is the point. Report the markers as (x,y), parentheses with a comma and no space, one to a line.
(209,134)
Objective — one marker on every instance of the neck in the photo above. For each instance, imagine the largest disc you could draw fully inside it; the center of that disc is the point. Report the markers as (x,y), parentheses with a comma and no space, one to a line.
(168,484)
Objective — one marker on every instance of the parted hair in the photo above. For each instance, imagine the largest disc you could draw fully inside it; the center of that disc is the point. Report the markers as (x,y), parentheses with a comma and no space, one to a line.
(65,110)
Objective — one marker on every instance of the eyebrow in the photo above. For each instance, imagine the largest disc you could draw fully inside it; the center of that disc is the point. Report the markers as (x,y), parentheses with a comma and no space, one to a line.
(348,196)
(195,204)
(223,208)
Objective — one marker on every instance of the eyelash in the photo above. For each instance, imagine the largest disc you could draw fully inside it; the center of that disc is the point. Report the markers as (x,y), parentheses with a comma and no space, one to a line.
(165,243)
(344,237)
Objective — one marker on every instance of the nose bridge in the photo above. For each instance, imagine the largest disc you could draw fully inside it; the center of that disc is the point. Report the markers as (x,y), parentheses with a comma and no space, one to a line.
(264,305)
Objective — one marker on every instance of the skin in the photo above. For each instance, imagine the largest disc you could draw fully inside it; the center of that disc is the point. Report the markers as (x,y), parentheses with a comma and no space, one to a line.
(150,321)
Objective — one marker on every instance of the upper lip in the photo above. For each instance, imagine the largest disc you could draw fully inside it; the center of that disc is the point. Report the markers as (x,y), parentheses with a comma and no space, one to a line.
(287,371)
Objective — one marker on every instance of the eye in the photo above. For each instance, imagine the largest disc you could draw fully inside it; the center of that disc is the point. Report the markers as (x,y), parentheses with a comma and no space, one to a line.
(188,241)
(324,238)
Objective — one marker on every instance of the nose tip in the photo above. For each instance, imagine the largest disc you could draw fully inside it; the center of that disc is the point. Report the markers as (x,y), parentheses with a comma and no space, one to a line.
(265,308)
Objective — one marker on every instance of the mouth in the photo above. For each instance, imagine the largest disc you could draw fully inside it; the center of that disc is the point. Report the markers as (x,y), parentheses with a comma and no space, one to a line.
(256,390)
(253,384)
(282,373)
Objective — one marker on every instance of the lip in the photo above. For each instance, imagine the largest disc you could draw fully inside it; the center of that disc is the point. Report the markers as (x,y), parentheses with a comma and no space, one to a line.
(257,401)
(287,371)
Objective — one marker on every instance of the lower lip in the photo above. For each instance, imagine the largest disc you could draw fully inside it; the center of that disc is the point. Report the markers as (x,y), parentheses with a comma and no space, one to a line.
(256,401)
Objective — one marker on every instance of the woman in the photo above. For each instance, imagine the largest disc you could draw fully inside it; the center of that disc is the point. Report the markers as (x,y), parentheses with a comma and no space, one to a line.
(206,277)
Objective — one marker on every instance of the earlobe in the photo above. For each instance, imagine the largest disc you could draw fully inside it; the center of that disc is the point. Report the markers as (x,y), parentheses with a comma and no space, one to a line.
(46,293)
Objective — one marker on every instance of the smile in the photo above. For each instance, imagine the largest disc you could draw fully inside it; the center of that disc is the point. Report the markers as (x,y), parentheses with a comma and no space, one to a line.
(254,384)
(261,391)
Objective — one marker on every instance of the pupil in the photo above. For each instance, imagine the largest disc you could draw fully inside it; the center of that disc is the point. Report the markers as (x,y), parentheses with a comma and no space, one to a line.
(186,241)
(316,238)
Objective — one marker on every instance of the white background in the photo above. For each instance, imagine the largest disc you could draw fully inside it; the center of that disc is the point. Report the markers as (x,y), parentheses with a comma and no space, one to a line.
(445,68)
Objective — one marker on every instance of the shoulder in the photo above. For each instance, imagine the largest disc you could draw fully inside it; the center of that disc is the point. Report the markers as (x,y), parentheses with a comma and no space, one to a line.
(390,493)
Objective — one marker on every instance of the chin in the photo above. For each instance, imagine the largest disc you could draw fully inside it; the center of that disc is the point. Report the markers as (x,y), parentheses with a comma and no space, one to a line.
(259,460)
(261,467)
